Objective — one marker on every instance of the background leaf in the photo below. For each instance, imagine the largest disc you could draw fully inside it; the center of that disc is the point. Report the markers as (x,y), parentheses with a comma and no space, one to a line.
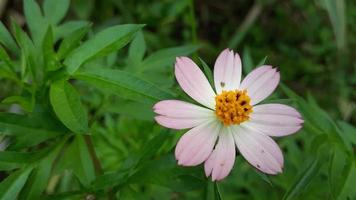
(7,40)
(103,43)
(67,105)
(123,84)
(35,21)
(12,185)
(55,10)
(77,158)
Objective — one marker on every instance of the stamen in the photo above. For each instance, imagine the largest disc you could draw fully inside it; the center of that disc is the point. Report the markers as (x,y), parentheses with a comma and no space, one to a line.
(233,107)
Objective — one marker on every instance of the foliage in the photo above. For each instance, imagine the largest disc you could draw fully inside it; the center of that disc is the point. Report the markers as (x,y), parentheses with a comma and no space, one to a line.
(76,97)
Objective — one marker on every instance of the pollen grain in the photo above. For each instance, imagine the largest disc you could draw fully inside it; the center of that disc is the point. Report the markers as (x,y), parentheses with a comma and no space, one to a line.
(233,107)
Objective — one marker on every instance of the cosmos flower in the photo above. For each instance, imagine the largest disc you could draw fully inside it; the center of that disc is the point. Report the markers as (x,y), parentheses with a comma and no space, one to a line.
(228,117)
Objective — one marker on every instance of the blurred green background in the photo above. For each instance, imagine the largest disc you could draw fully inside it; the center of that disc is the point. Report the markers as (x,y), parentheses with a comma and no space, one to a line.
(312,42)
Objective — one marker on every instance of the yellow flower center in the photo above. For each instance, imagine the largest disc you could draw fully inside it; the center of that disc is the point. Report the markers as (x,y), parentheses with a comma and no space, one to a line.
(233,107)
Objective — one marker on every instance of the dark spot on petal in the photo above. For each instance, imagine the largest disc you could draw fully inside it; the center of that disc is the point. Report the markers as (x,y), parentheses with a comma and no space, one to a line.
(243,103)
(222,84)
(258,166)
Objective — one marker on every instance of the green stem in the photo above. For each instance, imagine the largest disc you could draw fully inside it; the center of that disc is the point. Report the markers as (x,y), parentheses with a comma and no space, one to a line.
(94,157)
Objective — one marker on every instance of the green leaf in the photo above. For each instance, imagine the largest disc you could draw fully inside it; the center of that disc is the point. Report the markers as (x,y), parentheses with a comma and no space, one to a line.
(12,185)
(348,191)
(166,57)
(110,179)
(38,180)
(71,41)
(348,133)
(77,158)
(35,21)
(336,11)
(22,157)
(131,109)
(50,57)
(247,61)
(55,10)
(67,105)
(339,169)
(218,195)
(68,28)
(6,73)
(262,62)
(27,130)
(163,170)
(7,40)
(25,103)
(102,44)
(5,58)
(28,51)
(123,84)
(320,149)
(207,71)
(137,48)
(303,180)
(152,146)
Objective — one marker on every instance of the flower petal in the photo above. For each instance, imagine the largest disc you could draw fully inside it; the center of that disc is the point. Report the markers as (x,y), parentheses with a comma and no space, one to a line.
(260,83)
(221,160)
(259,150)
(275,108)
(275,119)
(180,123)
(181,109)
(227,71)
(195,146)
(193,82)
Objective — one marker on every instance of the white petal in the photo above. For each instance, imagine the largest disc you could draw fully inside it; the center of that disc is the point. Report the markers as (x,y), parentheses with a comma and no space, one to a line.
(259,150)
(180,123)
(227,71)
(275,119)
(195,146)
(181,109)
(260,83)
(193,82)
(221,161)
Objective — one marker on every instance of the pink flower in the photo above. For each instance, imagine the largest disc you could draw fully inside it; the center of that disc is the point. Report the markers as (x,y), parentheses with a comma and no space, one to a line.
(227,117)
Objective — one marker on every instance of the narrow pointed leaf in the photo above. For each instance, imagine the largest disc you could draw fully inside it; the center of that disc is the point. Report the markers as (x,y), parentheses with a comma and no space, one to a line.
(71,41)
(55,10)
(27,130)
(123,84)
(12,185)
(7,40)
(35,21)
(102,44)
(67,105)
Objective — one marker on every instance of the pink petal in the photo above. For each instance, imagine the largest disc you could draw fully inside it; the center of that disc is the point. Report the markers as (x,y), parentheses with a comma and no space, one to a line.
(260,83)
(251,77)
(193,82)
(259,150)
(227,71)
(275,108)
(180,123)
(275,119)
(195,146)
(221,160)
(272,130)
(181,109)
